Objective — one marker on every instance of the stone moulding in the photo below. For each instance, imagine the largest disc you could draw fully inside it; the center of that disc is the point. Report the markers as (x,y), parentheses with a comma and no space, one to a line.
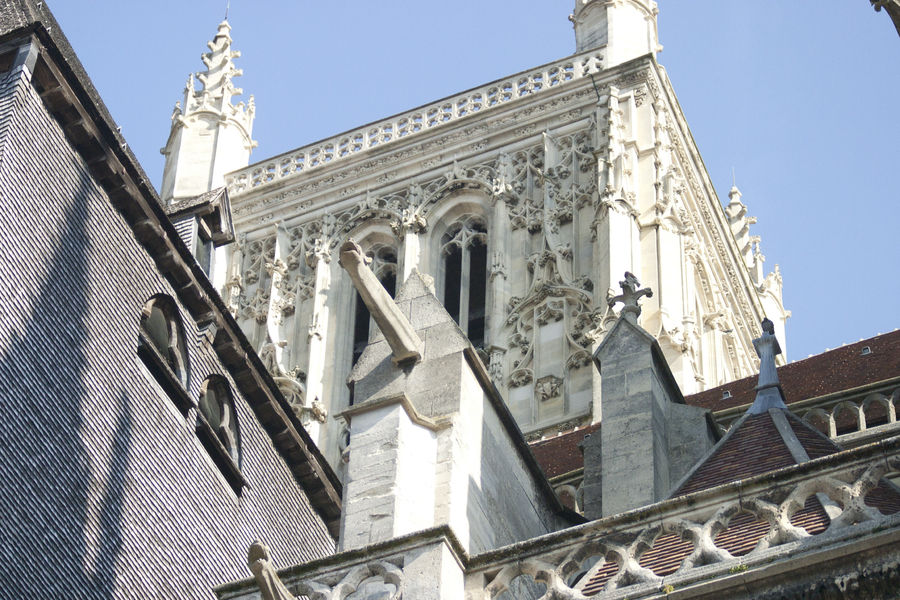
(343,573)
(426,118)
(823,411)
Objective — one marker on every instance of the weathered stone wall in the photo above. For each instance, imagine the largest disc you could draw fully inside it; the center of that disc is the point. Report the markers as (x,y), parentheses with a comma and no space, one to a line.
(107,490)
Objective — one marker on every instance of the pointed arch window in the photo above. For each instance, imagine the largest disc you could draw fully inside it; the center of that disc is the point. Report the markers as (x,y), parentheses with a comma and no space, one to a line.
(161,345)
(464,253)
(217,429)
(384,265)
(217,412)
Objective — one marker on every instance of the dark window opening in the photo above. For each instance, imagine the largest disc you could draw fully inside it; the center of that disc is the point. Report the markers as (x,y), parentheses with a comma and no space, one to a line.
(464,250)
(217,429)
(477,293)
(453,279)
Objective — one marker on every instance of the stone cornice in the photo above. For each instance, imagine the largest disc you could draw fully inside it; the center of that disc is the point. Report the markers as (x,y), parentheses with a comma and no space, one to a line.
(424,119)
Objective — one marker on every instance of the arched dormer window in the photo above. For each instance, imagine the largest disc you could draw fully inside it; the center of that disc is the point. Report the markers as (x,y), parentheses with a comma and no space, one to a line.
(217,412)
(464,254)
(384,265)
(161,325)
(217,429)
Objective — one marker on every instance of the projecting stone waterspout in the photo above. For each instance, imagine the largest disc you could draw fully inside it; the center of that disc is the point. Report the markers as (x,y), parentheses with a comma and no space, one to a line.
(398,332)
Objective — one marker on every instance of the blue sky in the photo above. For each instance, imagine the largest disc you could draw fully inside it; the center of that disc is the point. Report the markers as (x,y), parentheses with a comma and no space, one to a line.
(800,98)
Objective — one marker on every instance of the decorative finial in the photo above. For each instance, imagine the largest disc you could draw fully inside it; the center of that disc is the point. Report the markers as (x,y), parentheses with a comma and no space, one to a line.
(768,389)
(630,296)
(227,7)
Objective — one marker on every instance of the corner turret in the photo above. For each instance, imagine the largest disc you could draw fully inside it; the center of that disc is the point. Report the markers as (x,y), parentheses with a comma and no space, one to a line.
(210,136)
(625,28)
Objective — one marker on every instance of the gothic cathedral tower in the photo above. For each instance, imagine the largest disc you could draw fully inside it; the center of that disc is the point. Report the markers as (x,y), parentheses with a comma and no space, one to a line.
(525,199)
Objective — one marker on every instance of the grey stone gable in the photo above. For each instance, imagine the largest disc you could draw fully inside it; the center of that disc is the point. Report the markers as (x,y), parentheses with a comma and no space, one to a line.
(627,342)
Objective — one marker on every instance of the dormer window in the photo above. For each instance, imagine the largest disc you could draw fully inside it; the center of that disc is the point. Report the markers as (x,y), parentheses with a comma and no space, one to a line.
(217,410)
(162,347)
(217,429)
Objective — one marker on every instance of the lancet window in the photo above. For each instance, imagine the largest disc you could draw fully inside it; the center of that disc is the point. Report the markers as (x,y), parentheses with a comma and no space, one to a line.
(217,413)
(384,265)
(161,329)
(464,254)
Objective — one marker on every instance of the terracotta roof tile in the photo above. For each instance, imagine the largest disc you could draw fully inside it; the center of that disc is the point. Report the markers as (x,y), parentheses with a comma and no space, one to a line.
(561,454)
(836,370)
(754,448)
(815,443)
(884,497)
(740,537)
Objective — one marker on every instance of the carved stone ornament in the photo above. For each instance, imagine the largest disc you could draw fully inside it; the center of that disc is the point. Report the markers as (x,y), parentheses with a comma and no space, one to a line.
(259,559)
(548,387)
(630,296)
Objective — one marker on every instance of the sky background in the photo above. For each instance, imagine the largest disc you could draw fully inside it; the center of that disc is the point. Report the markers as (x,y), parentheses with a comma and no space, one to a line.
(800,98)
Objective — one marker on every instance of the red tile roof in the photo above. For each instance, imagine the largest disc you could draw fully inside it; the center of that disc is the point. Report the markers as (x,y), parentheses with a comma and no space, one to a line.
(740,537)
(834,371)
(755,447)
(826,373)
(561,454)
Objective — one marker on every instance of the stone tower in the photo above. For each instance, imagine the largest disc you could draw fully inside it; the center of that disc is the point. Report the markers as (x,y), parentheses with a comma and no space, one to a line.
(210,136)
(525,199)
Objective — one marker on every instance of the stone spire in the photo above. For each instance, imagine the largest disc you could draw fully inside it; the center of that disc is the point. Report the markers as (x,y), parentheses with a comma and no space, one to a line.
(625,28)
(768,389)
(210,136)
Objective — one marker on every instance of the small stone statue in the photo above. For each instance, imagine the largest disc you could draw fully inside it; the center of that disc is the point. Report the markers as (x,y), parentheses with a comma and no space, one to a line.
(768,388)
(270,585)
(630,296)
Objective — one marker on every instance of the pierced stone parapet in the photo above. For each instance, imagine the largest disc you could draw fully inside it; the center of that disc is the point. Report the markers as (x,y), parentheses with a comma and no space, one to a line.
(841,415)
(710,535)
(441,113)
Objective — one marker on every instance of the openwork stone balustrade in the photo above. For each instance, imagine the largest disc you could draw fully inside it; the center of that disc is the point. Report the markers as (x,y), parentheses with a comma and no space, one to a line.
(708,535)
(816,522)
(840,414)
(495,94)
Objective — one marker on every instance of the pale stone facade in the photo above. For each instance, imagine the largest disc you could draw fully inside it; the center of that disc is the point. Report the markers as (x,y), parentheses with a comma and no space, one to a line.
(525,199)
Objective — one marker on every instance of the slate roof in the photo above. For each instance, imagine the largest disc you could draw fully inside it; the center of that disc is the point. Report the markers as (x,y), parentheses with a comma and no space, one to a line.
(68,94)
(837,370)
